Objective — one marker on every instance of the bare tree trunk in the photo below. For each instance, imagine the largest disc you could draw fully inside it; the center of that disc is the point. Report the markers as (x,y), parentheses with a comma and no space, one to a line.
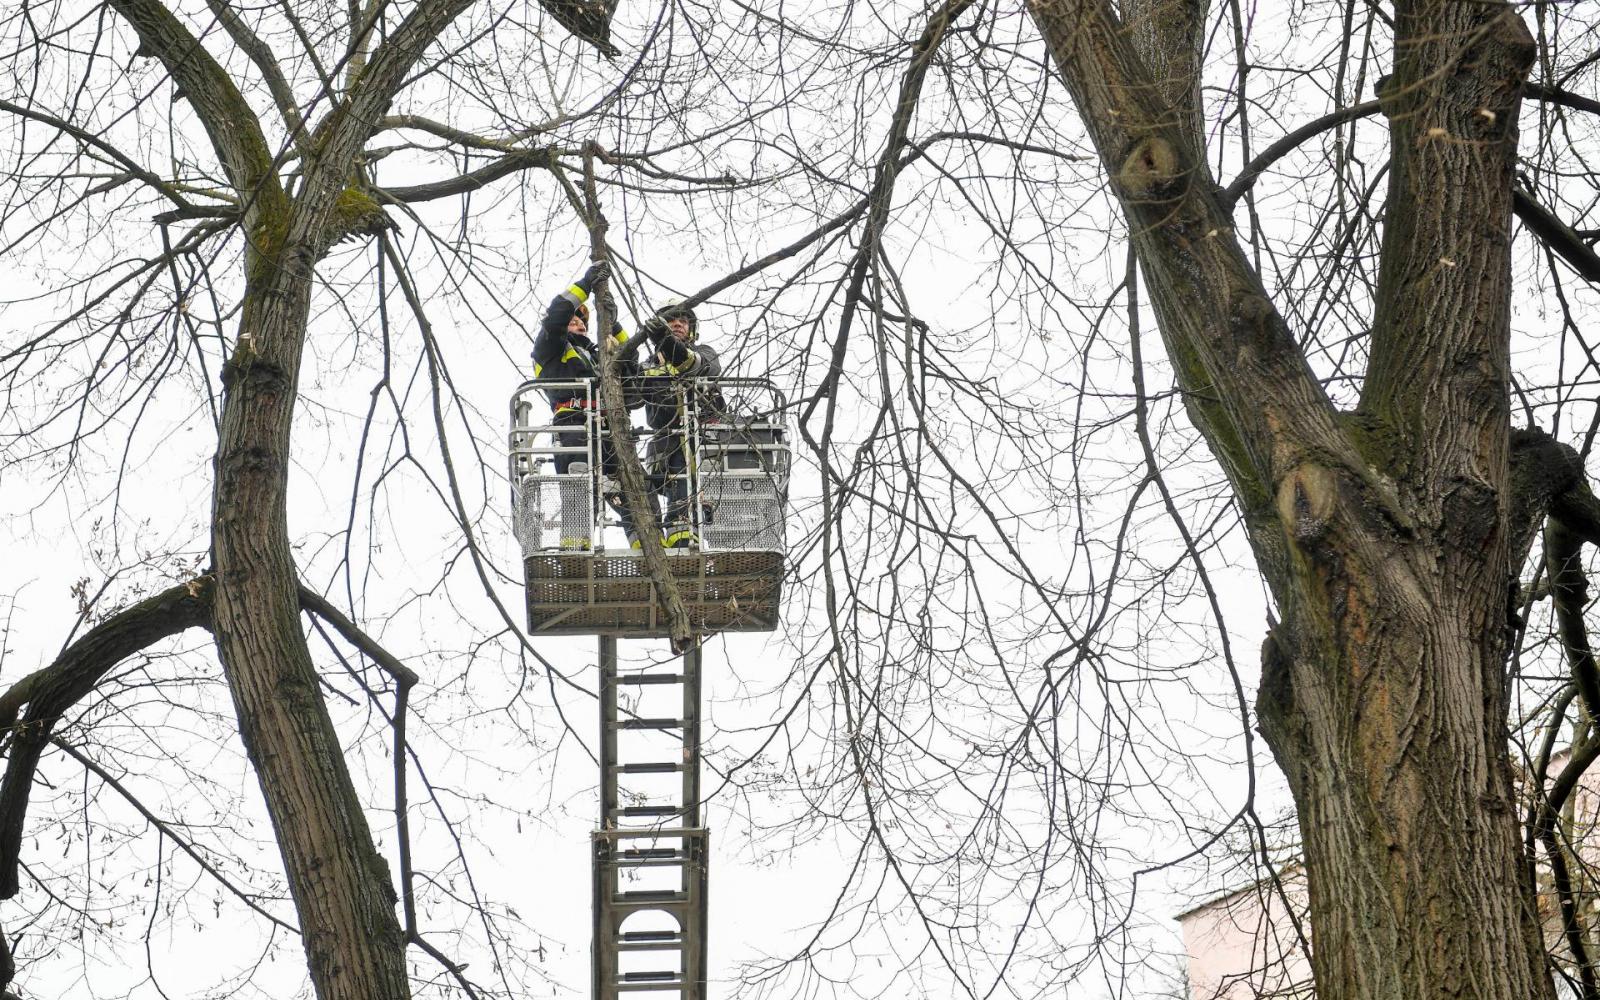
(342,890)
(1387,536)
(1382,702)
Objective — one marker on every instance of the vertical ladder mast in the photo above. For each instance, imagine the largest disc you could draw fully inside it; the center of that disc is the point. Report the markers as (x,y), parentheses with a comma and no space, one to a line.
(651,849)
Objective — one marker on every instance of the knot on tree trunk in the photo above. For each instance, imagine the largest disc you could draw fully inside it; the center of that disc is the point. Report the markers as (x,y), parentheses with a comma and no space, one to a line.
(1471,512)
(1256,324)
(246,369)
(1152,171)
(1307,497)
(1275,704)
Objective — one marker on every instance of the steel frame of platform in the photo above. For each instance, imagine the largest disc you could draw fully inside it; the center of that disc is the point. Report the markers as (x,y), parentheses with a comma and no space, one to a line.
(584,594)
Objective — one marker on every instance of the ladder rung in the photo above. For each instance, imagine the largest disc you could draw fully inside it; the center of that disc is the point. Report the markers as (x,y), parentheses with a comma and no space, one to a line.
(663,767)
(654,833)
(649,945)
(650,937)
(650,811)
(672,984)
(650,724)
(649,853)
(643,678)
(650,977)
(652,896)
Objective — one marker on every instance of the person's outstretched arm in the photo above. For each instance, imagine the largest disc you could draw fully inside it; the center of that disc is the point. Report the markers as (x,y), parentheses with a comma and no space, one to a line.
(551,344)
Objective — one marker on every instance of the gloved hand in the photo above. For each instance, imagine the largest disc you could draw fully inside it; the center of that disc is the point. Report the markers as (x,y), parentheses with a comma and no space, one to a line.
(598,271)
(673,351)
(655,328)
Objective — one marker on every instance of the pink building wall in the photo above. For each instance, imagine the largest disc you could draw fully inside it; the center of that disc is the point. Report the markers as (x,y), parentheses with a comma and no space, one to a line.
(1245,946)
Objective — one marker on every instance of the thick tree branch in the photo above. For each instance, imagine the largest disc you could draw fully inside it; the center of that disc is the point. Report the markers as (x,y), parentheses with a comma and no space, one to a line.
(49,692)
(1440,340)
(404,680)
(1246,383)
(510,163)
(1557,235)
(614,411)
(1579,510)
(1569,588)
(355,636)
(451,133)
(1565,98)
(227,117)
(1544,473)
(340,136)
(261,55)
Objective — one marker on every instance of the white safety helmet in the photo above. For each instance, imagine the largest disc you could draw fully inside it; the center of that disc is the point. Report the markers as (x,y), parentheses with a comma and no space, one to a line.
(673,308)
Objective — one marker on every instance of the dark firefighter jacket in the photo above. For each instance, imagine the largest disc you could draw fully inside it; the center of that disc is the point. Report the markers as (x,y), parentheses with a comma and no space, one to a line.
(674,360)
(559,356)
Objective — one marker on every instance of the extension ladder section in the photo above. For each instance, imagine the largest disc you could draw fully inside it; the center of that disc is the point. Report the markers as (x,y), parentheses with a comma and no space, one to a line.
(650,853)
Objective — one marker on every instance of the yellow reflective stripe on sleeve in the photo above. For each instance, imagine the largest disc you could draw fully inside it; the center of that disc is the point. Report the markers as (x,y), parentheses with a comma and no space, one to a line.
(577,293)
(572,354)
(622,336)
(537,369)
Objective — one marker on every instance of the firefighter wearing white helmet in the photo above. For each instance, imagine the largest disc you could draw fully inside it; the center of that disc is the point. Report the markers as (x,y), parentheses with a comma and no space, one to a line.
(674,333)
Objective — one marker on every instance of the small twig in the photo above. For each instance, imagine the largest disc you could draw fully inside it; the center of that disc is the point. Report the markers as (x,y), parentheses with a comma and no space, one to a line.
(167,830)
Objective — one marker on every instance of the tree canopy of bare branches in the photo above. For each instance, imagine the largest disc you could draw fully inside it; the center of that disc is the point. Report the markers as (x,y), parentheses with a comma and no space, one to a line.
(1124,338)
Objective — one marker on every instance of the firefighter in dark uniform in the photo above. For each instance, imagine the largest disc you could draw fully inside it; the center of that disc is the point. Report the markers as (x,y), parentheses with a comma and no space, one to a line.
(563,352)
(677,355)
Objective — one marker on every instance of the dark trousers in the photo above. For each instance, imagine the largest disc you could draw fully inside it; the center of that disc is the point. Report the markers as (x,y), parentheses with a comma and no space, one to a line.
(669,476)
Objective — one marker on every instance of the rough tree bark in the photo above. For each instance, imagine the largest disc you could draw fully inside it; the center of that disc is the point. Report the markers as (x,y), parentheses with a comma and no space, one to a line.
(1386,535)
(342,888)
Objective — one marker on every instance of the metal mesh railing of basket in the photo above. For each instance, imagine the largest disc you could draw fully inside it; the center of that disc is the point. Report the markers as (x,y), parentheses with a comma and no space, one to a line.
(732,483)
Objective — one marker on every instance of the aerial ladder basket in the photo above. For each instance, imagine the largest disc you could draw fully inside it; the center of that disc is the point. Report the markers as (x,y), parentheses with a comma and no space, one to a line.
(651,849)
(582,576)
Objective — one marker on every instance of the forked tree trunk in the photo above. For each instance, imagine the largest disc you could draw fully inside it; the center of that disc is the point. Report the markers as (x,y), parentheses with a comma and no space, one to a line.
(341,886)
(342,891)
(1386,535)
